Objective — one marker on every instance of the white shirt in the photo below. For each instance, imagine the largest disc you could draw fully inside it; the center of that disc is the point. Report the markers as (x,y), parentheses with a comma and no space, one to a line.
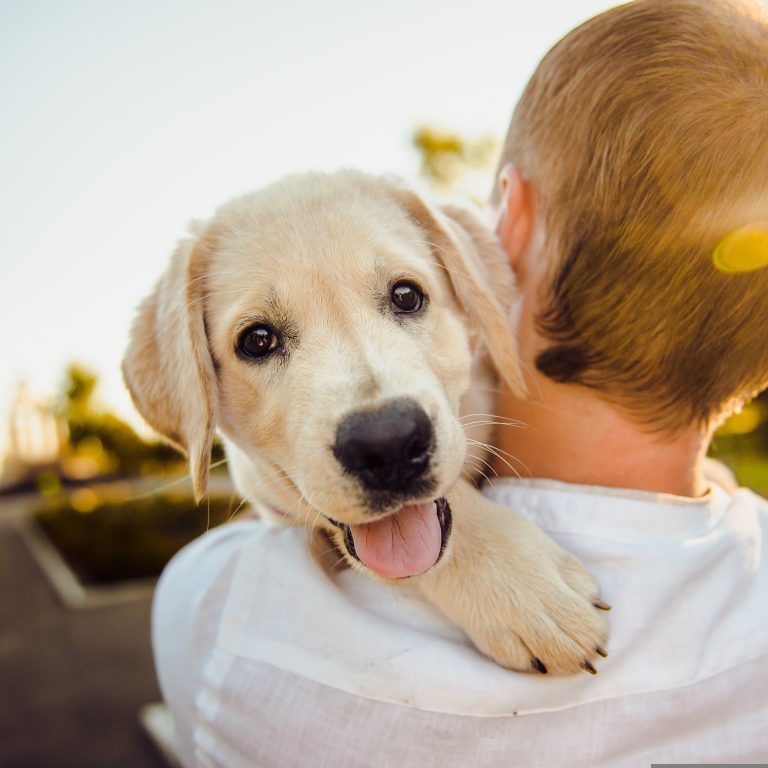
(267,656)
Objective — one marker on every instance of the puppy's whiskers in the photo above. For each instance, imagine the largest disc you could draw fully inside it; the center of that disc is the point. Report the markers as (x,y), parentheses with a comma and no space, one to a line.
(186,478)
(429,243)
(178,312)
(242,503)
(206,276)
(500,455)
(270,480)
(470,424)
(482,461)
(493,418)
(453,271)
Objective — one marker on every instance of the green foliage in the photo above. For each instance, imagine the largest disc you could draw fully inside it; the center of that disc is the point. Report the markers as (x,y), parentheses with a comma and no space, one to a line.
(450,162)
(79,385)
(98,442)
(742,444)
(762,428)
(128,539)
(102,533)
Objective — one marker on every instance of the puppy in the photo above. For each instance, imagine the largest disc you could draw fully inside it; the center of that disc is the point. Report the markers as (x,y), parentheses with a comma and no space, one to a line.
(334,328)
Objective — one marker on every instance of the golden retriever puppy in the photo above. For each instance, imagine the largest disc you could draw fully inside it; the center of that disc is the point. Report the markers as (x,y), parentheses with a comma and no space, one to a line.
(333,328)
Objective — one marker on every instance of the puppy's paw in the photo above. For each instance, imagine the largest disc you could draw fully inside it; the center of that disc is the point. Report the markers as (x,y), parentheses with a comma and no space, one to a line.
(521,599)
(546,619)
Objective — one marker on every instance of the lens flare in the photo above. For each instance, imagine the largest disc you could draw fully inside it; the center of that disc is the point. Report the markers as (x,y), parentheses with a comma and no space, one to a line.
(744,250)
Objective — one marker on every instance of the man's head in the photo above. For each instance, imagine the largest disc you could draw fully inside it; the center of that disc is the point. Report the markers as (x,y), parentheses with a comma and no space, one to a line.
(640,143)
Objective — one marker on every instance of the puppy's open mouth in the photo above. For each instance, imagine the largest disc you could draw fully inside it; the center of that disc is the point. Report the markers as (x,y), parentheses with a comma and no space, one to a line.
(405,543)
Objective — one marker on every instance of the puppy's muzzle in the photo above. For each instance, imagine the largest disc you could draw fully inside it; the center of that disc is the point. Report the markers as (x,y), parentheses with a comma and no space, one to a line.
(387,449)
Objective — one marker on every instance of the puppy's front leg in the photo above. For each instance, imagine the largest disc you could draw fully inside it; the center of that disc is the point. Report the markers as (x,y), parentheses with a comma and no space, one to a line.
(522,600)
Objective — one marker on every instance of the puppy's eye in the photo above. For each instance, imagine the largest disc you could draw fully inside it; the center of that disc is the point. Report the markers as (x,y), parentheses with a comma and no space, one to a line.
(407,297)
(257,341)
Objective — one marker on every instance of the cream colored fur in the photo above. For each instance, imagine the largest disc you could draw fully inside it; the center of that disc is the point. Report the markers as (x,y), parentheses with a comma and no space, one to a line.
(314,255)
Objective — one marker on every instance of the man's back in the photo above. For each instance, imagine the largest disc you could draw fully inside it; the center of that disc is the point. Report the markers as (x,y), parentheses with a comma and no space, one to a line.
(270,657)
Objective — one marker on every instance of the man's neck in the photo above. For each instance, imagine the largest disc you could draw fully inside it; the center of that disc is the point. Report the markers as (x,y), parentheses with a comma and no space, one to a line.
(571,435)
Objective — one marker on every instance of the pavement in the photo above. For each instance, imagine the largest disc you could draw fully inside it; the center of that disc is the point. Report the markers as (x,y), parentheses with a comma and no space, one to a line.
(72,682)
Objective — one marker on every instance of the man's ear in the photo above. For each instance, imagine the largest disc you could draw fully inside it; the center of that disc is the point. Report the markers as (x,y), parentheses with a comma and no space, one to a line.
(480,276)
(168,367)
(515,219)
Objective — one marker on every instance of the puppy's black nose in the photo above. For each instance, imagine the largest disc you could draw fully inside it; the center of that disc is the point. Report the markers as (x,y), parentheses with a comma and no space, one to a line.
(387,449)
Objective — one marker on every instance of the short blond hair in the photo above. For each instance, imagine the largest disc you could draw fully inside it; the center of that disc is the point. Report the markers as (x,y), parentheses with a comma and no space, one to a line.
(645,135)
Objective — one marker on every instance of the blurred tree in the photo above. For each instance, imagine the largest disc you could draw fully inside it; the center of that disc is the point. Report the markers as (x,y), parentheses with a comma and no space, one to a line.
(762,399)
(452,164)
(78,389)
(98,442)
(742,444)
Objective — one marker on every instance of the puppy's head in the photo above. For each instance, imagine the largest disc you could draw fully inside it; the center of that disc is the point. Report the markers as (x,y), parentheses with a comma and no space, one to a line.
(326,325)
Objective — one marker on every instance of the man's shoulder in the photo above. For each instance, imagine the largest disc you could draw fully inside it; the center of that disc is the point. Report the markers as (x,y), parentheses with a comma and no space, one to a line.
(758,501)
(212,549)
(539,493)
(750,505)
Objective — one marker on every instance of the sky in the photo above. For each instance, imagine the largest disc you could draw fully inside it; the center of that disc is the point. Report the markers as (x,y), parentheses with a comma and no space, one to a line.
(121,121)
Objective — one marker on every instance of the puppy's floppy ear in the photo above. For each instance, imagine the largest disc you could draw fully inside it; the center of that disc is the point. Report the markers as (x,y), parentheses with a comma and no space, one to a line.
(168,367)
(480,276)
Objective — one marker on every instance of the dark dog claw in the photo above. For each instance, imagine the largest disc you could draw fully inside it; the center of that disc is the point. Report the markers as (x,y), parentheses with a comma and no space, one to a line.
(585,665)
(538,665)
(601,651)
(601,604)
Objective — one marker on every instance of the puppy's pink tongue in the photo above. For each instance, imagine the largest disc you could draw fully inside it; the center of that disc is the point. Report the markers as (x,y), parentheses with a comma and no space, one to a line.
(402,544)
